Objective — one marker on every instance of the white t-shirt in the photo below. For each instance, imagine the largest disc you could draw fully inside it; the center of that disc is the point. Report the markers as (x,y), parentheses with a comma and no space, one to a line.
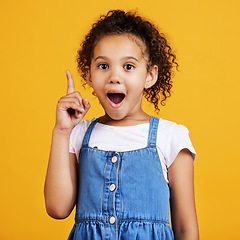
(171,139)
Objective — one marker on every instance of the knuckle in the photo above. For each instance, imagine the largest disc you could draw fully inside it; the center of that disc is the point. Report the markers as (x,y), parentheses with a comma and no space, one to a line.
(60,100)
(70,93)
(78,94)
(76,101)
(73,103)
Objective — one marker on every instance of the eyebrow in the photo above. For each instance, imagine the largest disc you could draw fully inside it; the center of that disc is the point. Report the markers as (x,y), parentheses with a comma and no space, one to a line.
(127,57)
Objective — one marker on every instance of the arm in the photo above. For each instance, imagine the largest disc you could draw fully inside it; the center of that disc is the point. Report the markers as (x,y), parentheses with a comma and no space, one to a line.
(60,189)
(61,180)
(181,183)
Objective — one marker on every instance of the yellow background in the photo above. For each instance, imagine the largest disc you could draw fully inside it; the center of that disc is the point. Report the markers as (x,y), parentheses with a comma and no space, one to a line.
(39,40)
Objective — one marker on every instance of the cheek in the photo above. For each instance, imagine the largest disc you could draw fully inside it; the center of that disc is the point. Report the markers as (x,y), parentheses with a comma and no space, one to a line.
(96,74)
(139,80)
(97,83)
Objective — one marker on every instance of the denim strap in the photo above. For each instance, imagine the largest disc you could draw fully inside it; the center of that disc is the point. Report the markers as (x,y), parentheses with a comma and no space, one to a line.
(88,133)
(152,135)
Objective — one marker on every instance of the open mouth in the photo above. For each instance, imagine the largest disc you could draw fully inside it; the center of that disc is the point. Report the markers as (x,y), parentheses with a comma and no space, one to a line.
(116,98)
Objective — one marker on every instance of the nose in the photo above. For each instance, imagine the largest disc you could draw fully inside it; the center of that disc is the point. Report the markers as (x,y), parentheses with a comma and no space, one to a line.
(114,77)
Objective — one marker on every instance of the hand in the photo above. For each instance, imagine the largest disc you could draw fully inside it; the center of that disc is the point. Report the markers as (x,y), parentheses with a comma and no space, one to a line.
(70,108)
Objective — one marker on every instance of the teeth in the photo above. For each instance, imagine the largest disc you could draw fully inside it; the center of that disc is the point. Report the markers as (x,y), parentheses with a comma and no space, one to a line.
(116,97)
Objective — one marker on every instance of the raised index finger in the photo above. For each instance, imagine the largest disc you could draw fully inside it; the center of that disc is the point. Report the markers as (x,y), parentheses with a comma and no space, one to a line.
(70,88)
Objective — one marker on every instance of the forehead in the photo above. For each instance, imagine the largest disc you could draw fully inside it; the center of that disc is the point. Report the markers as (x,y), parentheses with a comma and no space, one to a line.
(120,44)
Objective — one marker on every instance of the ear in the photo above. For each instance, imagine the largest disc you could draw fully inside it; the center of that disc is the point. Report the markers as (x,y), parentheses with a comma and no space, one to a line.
(88,76)
(152,76)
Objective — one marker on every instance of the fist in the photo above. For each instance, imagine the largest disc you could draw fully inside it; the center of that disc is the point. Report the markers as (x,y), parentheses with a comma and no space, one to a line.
(70,108)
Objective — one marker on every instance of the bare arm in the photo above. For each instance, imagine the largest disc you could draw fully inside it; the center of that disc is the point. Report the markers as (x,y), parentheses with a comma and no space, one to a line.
(60,189)
(181,183)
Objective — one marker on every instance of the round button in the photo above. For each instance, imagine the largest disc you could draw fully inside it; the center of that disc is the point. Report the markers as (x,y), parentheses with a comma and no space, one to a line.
(112,219)
(112,187)
(114,159)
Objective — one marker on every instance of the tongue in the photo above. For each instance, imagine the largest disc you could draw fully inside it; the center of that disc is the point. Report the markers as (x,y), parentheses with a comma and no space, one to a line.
(116,97)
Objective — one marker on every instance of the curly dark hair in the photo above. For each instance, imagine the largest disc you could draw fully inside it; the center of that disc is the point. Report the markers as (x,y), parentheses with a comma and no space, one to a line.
(158,50)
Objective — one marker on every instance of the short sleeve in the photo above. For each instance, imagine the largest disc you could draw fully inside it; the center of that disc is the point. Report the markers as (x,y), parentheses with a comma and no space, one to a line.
(180,140)
(77,135)
(174,138)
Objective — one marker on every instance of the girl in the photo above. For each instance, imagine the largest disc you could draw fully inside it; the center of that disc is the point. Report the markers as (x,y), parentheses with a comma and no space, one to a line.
(124,167)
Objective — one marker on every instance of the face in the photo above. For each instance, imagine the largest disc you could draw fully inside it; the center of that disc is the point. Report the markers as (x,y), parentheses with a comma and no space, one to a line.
(118,74)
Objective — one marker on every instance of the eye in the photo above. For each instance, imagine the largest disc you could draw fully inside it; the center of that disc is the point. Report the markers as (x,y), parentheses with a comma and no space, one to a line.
(129,67)
(103,66)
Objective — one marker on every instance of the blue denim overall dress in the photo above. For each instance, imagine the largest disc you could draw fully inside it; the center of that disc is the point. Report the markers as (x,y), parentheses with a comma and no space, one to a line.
(121,195)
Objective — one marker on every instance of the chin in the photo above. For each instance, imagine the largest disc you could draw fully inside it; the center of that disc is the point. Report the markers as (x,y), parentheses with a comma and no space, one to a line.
(117,116)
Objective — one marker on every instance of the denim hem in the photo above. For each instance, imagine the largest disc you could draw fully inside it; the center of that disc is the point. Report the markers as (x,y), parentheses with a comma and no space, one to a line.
(124,220)
(143,220)
(89,220)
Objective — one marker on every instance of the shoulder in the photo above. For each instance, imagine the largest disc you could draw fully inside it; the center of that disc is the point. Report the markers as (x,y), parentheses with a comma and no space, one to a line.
(82,126)
(168,127)
(172,138)
(171,135)
(78,133)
